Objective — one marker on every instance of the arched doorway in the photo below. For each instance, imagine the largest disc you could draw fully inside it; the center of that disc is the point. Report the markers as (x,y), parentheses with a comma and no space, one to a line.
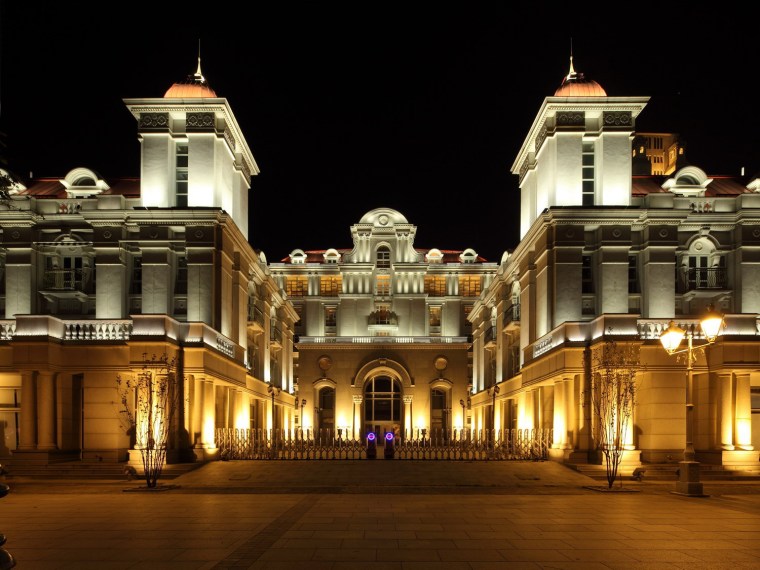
(382,406)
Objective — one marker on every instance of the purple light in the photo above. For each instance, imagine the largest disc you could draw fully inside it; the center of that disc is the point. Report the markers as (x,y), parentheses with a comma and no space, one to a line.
(371,436)
(389,436)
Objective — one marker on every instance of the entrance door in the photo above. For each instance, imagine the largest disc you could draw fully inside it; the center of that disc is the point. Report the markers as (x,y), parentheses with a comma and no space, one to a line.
(439,416)
(382,407)
(326,412)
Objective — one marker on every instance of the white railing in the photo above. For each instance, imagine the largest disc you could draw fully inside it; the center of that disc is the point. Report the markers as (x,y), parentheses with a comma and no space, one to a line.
(382,339)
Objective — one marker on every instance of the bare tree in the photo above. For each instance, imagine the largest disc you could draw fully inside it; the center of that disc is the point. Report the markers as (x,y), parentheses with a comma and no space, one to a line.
(148,401)
(612,395)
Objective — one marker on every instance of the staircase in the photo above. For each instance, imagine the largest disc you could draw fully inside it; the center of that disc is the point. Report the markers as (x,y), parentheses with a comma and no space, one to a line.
(89,471)
(669,472)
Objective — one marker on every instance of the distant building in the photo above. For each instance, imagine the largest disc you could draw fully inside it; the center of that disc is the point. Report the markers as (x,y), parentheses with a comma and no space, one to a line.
(662,153)
(383,336)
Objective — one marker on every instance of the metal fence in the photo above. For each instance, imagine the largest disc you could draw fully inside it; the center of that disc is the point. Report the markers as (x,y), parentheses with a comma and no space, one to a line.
(472,445)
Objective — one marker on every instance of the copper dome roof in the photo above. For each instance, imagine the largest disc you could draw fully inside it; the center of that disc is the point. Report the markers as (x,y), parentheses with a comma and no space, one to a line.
(194,86)
(576,85)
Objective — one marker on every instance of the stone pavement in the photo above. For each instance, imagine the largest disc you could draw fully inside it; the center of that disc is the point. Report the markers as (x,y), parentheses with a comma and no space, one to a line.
(395,515)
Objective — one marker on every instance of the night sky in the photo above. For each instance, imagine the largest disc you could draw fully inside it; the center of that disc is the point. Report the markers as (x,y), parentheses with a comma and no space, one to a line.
(352,106)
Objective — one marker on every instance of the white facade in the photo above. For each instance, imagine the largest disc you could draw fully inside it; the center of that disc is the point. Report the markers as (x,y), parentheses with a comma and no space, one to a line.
(383,312)
(98,276)
(605,255)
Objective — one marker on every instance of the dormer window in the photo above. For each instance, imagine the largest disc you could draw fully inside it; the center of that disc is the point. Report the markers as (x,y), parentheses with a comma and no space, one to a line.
(331,256)
(689,181)
(297,257)
(468,256)
(434,256)
(83,183)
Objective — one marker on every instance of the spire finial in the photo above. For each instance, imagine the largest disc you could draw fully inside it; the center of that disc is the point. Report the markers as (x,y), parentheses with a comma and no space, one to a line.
(572,69)
(198,72)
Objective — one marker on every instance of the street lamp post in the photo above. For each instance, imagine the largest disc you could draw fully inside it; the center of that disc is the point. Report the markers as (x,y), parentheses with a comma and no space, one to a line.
(688,483)
(493,390)
(273,391)
(464,423)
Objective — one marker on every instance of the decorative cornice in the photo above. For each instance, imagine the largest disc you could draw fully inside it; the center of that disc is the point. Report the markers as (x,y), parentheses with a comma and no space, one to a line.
(570,118)
(617,119)
(200,122)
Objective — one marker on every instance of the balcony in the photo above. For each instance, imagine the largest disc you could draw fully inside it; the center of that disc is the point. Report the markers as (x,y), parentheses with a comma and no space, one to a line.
(255,320)
(702,278)
(67,284)
(512,315)
(275,338)
(489,338)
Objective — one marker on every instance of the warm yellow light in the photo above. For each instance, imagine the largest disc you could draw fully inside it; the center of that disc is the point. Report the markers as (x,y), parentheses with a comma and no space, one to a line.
(672,337)
(743,431)
(711,324)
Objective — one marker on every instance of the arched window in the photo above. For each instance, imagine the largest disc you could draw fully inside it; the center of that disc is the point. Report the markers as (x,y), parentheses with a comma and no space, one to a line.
(383,257)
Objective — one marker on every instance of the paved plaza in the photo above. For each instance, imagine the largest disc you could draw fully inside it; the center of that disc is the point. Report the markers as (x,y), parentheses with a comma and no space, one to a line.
(377,515)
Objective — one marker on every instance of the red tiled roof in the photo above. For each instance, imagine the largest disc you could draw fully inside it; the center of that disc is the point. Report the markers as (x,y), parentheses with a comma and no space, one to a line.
(317,255)
(52,188)
(720,186)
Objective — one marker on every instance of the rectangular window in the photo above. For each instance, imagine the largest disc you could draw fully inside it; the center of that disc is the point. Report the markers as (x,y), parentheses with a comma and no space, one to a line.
(587,275)
(633,275)
(467,310)
(181,174)
(330,286)
(469,285)
(383,285)
(135,286)
(434,318)
(297,286)
(180,285)
(435,285)
(588,186)
(331,317)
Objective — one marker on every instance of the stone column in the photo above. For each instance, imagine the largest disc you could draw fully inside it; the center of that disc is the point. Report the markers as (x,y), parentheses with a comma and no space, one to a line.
(196,410)
(408,416)
(743,437)
(560,413)
(572,417)
(357,416)
(726,411)
(528,408)
(28,435)
(209,415)
(46,411)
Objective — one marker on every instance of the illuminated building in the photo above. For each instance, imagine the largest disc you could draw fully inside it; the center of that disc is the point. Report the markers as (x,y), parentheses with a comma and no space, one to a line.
(604,253)
(97,274)
(383,332)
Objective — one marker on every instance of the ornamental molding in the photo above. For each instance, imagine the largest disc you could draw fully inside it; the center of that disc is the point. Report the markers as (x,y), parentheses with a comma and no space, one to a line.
(200,121)
(541,137)
(570,118)
(154,121)
(617,119)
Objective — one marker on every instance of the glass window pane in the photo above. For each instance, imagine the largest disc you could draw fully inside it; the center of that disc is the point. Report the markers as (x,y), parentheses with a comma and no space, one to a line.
(382,410)
(382,384)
